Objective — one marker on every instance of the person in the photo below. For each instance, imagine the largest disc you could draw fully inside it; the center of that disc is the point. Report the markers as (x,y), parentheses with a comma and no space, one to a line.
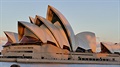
(15,65)
(23,55)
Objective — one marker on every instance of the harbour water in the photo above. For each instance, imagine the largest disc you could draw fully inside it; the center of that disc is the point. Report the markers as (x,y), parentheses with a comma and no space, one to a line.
(8,64)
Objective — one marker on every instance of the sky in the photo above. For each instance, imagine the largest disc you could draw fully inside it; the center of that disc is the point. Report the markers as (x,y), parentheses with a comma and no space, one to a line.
(99,16)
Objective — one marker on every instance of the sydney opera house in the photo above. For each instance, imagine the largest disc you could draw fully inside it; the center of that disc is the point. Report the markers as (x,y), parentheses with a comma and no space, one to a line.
(53,38)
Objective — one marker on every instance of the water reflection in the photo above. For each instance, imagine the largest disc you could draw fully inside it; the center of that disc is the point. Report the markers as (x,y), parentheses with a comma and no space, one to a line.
(8,64)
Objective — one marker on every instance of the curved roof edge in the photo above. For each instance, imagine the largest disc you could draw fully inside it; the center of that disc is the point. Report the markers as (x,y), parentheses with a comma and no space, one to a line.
(52,28)
(86,40)
(55,32)
(35,29)
(111,47)
(32,20)
(104,49)
(68,29)
(49,35)
(12,35)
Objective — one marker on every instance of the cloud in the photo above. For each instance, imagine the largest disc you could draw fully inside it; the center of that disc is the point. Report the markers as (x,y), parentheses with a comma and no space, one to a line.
(3,40)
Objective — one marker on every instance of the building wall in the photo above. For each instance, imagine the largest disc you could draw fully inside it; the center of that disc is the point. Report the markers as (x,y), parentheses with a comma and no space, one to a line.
(95,56)
(54,52)
(46,51)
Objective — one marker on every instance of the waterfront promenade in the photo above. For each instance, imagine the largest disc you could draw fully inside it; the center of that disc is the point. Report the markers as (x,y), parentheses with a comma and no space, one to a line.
(25,60)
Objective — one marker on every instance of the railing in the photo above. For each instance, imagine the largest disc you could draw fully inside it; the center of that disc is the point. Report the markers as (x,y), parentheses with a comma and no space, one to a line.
(69,58)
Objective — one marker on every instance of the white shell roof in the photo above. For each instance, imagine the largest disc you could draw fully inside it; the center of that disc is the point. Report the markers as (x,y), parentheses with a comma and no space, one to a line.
(48,34)
(67,26)
(62,34)
(27,32)
(55,31)
(112,47)
(32,20)
(86,40)
(36,30)
(13,36)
